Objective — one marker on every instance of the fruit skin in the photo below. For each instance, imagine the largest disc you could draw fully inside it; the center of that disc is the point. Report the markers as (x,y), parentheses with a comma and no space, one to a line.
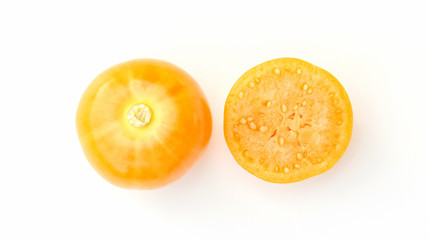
(154,155)
(262,164)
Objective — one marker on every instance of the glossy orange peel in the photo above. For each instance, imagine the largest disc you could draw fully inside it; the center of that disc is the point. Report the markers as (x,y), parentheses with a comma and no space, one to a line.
(143,123)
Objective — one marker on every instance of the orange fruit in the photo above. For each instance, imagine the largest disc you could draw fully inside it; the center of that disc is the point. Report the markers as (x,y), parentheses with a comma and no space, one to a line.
(286,120)
(143,123)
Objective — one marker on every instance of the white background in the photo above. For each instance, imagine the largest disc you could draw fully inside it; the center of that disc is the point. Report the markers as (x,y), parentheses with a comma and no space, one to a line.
(50,51)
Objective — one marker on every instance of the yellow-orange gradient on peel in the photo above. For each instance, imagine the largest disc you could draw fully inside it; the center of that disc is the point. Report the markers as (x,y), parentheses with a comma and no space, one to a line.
(286,120)
(142,124)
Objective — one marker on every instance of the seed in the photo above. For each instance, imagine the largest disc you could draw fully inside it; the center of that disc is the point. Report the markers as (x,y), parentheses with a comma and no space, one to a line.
(286,169)
(276,169)
(297,166)
(299,155)
(299,71)
(252,125)
(243,121)
(304,103)
(257,80)
(268,104)
(263,129)
(305,87)
(277,71)
(240,95)
(251,84)
(310,91)
(250,119)
(284,108)
(281,141)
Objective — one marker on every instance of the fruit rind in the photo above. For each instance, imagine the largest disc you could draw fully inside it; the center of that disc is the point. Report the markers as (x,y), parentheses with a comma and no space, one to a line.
(161,151)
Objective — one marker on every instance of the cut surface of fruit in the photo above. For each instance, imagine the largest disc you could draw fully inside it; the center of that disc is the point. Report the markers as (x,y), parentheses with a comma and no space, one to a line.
(143,123)
(286,120)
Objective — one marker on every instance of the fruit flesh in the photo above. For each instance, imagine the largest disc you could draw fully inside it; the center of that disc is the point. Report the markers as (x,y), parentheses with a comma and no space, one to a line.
(287,120)
(157,152)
